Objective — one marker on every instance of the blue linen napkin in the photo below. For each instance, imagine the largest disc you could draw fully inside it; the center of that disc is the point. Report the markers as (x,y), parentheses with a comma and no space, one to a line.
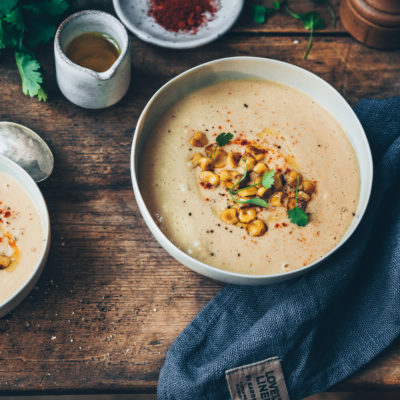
(324,325)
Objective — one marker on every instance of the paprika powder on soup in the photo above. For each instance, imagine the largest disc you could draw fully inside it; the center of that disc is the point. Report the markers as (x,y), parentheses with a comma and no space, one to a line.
(182,15)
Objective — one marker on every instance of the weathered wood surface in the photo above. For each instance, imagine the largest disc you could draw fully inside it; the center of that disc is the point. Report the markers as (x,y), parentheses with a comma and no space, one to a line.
(111,301)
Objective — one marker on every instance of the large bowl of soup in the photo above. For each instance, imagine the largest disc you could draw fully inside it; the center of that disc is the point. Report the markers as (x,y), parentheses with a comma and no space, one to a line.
(250,170)
(24,234)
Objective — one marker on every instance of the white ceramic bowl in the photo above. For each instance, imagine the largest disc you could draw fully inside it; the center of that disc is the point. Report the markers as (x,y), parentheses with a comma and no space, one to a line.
(15,171)
(262,68)
(134,16)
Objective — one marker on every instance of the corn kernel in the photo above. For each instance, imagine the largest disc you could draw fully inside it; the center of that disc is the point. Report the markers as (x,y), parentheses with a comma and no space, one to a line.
(210,149)
(209,177)
(199,139)
(260,168)
(278,184)
(292,204)
(303,196)
(258,180)
(220,158)
(261,191)
(206,163)
(229,216)
(256,228)
(4,261)
(247,215)
(257,153)
(228,184)
(292,178)
(196,159)
(276,199)
(233,159)
(309,187)
(251,191)
(226,175)
(247,161)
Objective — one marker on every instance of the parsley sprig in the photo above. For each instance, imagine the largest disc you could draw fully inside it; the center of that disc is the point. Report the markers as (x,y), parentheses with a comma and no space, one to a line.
(267,181)
(24,25)
(297,215)
(222,140)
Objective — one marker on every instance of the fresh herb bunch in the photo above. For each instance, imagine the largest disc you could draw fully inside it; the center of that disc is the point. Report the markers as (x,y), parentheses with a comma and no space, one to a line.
(24,25)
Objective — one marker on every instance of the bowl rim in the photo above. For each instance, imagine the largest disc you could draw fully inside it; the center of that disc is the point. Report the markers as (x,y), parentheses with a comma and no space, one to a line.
(147,37)
(25,177)
(206,269)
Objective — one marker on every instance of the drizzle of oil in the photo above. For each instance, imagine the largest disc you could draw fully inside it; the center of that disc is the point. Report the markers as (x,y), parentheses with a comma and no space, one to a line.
(94,50)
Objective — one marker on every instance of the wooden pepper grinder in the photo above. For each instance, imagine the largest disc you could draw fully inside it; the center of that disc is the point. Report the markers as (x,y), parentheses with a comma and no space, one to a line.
(373,22)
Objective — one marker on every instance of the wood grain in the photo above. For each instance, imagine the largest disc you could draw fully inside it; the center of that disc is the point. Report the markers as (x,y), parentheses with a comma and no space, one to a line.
(111,301)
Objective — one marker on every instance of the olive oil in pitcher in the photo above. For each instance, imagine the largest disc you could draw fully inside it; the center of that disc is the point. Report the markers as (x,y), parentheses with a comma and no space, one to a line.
(94,50)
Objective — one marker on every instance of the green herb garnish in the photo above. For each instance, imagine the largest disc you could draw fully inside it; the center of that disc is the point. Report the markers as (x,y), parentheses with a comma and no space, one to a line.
(25,24)
(267,182)
(330,9)
(312,21)
(260,12)
(256,202)
(297,215)
(222,140)
(268,179)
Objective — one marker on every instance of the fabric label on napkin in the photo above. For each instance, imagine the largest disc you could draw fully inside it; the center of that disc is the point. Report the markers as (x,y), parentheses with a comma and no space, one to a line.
(262,380)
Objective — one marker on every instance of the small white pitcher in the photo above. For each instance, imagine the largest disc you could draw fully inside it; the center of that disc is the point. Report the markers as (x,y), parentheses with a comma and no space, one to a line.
(85,87)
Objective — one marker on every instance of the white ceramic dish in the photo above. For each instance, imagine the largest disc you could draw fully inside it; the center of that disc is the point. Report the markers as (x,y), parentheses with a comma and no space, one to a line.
(134,16)
(15,171)
(262,68)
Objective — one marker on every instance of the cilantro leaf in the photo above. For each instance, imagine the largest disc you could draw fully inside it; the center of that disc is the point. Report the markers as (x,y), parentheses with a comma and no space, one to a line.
(224,138)
(311,21)
(41,33)
(31,77)
(9,35)
(6,6)
(259,12)
(268,179)
(15,18)
(298,216)
(255,202)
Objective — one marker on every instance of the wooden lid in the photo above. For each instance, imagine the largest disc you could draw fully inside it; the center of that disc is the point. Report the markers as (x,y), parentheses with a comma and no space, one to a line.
(376,16)
(373,27)
(389,6)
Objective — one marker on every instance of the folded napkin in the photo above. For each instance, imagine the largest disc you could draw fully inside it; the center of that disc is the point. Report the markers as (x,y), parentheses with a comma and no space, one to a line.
(324,325)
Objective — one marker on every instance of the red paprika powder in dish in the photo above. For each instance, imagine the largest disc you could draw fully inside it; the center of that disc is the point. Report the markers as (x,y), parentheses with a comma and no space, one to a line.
(182,15)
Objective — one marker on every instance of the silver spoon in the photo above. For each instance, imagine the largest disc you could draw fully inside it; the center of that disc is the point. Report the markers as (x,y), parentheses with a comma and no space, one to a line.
(27,149)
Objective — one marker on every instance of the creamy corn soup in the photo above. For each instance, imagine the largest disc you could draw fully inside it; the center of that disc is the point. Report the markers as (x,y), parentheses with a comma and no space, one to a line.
(250,176)
(21,236)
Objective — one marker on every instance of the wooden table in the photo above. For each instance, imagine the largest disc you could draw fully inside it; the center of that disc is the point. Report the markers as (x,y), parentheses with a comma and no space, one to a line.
(111,300)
